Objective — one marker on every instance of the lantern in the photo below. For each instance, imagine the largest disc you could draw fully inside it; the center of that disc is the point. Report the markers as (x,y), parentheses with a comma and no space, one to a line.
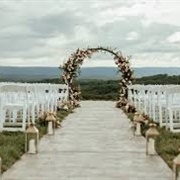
(60,104)
(176,164)
(51,123)
(31,139)
(151,135)
(65,107)
(138,119)
(129,108)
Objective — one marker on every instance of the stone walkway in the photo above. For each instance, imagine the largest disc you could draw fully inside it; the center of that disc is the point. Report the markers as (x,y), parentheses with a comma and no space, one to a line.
(94,143)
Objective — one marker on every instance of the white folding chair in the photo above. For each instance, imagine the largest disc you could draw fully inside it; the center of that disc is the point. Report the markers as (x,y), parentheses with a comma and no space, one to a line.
(14,107)
(173,108)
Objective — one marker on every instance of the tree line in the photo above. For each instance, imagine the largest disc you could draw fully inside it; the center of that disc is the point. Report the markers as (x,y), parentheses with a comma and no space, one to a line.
(108,89)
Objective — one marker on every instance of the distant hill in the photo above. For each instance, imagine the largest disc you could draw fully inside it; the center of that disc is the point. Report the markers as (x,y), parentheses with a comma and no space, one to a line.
(111,73)
(39,73)
(28,73)
(149,71)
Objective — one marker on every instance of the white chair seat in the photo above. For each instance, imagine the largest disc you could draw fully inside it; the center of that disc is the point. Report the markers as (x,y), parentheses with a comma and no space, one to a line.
(175,107)
(13,106)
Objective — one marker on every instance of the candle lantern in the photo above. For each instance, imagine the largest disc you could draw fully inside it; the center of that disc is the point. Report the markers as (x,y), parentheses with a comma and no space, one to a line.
(51,123)
(176,164)
(151,135)
(65,107)
(129,108)
(31,139)
(138,119)
(60,104)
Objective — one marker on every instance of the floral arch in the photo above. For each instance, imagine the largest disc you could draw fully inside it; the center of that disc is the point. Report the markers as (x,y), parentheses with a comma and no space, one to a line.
(71,70)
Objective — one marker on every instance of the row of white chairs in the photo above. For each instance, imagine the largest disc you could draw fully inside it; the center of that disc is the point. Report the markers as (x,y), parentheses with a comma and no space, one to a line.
(160,102)
(22,103)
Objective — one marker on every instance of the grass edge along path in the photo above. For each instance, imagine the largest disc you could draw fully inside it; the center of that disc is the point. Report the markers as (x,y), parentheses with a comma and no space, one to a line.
(167,143)
(12,143)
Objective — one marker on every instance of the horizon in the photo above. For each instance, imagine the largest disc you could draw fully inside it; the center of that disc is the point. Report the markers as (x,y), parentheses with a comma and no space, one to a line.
(16,73)
(91,66)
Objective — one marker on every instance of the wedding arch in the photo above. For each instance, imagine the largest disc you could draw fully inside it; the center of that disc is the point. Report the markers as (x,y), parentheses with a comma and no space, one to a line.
(71,70)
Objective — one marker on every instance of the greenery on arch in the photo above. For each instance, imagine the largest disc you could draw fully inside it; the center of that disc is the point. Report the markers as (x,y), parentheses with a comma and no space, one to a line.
(71,70)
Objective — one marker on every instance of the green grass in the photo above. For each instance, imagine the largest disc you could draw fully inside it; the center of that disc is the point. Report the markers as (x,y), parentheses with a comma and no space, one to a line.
(12,144)
(62,114)
(167,143)
(11,148)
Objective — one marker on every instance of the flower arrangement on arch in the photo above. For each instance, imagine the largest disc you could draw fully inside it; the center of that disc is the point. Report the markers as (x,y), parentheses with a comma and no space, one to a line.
(71,70)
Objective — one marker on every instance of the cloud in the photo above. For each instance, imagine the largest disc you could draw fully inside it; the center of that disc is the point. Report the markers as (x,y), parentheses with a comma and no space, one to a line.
(174,38)
(155,60)
(62,23)
(132,36)
(35,33)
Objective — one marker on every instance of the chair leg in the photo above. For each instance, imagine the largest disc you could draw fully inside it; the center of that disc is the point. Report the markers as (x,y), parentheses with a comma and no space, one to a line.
(171,120)
(24,119)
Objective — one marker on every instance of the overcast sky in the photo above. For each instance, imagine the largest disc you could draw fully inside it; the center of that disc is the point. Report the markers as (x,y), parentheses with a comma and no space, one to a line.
(46,32)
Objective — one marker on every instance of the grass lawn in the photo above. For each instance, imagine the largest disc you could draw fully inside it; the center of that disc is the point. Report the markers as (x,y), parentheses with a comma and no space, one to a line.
(12,143)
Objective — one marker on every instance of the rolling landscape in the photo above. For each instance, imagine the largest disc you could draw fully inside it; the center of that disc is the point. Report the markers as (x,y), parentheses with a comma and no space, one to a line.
(12,73)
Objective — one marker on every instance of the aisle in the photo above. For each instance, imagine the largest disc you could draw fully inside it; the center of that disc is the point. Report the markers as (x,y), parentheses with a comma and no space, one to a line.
(94,143)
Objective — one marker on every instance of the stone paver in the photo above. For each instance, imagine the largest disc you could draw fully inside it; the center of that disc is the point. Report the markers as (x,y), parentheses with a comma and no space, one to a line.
(94,143)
